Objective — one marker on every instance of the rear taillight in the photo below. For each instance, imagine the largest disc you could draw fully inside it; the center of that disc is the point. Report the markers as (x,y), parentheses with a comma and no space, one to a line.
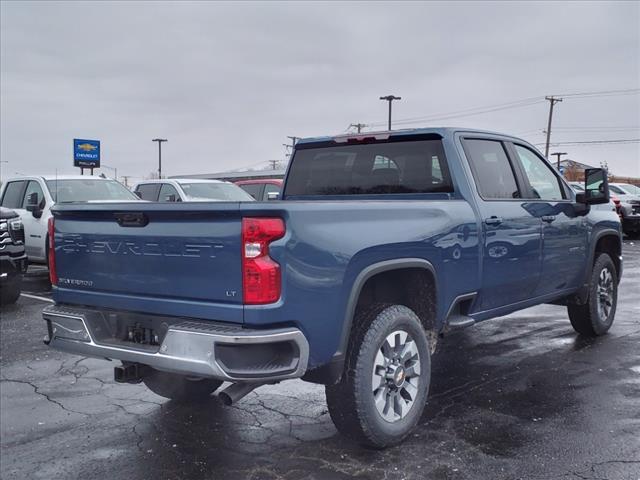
(260,274)
(53,276)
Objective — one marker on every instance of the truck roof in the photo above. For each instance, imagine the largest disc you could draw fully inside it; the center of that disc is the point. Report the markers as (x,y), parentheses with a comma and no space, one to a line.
(183,180)
(58,177)
(442,131)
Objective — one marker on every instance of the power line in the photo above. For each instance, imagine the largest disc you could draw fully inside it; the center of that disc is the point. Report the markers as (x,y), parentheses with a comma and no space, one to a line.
(469,112)
(525,102)
(595,142)
(602,93)
(603,129)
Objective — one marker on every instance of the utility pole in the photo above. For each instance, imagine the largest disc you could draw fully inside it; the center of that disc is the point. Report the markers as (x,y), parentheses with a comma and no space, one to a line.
(126,179)
(359,126)
(274,164)
(159,140)
(558,155)
(552,101)
(390,99)
(294,140)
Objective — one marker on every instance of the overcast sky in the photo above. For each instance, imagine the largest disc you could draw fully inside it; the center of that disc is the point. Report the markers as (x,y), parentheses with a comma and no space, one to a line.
(226,83)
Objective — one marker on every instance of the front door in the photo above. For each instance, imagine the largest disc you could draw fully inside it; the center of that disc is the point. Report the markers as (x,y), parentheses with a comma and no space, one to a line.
(511,257)
(564,234)
(35,229)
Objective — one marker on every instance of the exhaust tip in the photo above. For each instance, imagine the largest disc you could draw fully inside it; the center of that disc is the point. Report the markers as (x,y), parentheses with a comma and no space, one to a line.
(236,391)
(225,399)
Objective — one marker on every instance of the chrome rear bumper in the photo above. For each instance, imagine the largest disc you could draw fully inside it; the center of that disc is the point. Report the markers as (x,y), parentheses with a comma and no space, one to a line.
(197,348)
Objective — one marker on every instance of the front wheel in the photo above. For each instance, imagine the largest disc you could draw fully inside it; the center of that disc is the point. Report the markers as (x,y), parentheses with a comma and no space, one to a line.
(180,387)
(596,316)
(383,390)
(10,291)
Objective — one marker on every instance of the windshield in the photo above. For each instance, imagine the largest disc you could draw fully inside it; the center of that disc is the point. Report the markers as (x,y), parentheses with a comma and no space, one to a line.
(81,190)
(618,190)
(220,192)
(632,189)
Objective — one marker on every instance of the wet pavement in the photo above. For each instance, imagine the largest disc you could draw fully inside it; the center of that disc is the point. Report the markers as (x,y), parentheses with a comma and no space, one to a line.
(517,397)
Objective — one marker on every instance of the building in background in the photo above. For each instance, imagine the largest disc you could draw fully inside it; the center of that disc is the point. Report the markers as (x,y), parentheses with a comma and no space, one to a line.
(236,176)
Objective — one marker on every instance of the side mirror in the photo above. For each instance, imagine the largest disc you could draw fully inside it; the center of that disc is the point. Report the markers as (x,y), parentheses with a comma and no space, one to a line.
(596,187)
(33,205)
(273,195)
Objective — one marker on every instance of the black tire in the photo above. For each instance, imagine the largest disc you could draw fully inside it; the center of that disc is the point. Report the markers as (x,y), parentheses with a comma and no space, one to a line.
(351,402)
(10,291)
(180,387)
(593,319)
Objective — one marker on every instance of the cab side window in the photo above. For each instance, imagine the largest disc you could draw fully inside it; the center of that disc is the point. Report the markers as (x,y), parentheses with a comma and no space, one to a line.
(148,191)
(33,195)
(253,189)
(269,188)
(168,193)
(12,197)
(545,185)
(491,168)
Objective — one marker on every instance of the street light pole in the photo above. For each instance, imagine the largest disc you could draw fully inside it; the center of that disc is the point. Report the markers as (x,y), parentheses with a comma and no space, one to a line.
(558,155)
(159,140)
(390,99)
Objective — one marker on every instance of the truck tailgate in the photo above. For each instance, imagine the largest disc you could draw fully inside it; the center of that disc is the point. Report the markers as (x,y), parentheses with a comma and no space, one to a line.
(174,259)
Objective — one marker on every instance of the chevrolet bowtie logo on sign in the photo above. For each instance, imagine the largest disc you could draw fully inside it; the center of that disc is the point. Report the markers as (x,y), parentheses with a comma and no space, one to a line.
(86,153)
(87,147)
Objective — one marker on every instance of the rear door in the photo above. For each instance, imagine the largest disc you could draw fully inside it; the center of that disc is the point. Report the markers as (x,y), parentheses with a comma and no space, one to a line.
(564,234)
(512,236)
(179,259)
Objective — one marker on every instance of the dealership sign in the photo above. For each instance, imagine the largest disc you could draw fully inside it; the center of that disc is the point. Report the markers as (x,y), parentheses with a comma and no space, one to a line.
(86,153)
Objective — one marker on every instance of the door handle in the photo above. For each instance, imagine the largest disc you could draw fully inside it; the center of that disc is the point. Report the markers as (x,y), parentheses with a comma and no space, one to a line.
(493,220)
(548,218)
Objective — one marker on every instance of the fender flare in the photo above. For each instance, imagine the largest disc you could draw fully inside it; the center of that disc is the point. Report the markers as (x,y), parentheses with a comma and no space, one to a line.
(331,372)
(364,275)
(583,291)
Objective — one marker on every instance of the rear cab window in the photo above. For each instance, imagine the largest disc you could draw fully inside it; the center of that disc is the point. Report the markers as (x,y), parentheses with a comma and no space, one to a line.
(398,165)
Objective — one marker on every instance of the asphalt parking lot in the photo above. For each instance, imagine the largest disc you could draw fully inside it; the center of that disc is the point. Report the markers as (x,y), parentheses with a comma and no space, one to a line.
(517,397)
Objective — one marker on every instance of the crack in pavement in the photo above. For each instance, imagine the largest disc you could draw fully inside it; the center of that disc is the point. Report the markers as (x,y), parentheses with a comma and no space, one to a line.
(47,397)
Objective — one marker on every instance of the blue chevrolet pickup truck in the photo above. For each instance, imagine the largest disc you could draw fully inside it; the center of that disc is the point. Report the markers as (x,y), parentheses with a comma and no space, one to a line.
(380,244)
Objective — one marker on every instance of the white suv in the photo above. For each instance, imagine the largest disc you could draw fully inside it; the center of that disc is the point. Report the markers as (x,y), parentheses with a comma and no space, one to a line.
(33,197)
(190,190)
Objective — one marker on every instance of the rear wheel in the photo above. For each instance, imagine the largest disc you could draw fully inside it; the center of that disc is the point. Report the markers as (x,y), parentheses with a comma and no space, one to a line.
(596,316)
(383,390)
(180,387)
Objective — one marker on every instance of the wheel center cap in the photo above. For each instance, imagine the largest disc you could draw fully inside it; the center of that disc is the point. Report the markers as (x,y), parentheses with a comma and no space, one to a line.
(399,376)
